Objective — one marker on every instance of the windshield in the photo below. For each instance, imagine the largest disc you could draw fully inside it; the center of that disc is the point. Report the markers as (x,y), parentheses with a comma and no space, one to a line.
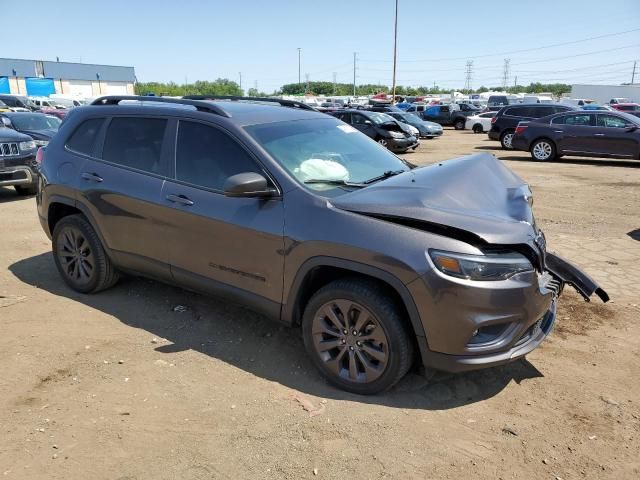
(325,149)
(379,118)
(35,121)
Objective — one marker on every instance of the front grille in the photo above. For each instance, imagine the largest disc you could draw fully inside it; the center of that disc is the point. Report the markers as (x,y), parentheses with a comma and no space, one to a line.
(8,149)
(550,283)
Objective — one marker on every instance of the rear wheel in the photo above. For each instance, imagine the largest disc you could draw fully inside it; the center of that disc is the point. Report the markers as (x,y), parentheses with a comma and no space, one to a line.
(80,257)
(26,189)
(355,336)
(458,124)
(477,128)
(543,150)
(506,139)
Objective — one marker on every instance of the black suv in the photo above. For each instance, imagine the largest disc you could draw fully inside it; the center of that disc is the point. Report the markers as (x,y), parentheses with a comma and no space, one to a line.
(504,124)
(18,166)
(385,130)
(302,217)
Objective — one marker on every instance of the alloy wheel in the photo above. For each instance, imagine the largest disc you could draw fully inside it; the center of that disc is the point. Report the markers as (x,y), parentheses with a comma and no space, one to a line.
(382,142)
(350,341)
(75,255)
(507,140)
(542,151)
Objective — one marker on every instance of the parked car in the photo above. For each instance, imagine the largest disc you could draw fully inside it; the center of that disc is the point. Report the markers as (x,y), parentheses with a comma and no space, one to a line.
(300,216)
(587,134)
(68,102)
(56,112)
(537,99)
(627,107)
(425,129)
(449,114)
(615,101)
(384,108)
(496,102)
(18,161)
(44,102)
(19,102)
(40,127)
(504,124)
(329,107)
(480,123)
(380,127)
(4,107)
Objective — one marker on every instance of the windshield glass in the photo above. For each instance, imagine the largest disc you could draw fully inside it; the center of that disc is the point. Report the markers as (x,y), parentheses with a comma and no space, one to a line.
(325,149)
(35,121)
(379,118)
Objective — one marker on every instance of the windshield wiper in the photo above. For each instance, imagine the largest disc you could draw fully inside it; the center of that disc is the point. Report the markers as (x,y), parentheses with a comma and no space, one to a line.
(335,182)
(387,174)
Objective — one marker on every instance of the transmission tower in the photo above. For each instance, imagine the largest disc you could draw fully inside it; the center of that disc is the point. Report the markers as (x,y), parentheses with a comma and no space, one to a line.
(505,73)
(469,72)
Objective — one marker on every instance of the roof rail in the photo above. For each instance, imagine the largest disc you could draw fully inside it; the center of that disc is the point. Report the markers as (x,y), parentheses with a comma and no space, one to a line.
(284,103)
(199,105)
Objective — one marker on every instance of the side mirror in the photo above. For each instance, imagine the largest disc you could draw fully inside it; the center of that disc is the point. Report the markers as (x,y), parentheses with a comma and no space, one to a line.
(631,128)
(368,122)
(248,184)
(6,122)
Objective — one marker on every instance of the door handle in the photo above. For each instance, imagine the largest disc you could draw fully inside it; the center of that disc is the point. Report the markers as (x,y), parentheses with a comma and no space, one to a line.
(598,134)
(91,177)
(559,131)
(181,199)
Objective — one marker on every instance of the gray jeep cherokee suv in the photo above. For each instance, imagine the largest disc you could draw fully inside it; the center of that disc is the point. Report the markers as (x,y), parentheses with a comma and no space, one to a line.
(298,215)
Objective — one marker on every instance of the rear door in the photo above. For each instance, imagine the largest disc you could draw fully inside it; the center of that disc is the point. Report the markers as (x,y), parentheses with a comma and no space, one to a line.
(575,132)
(217,243)
(121,187)
(614,138)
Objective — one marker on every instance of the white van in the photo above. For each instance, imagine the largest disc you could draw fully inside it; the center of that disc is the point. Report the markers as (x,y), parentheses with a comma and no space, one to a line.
(537,99)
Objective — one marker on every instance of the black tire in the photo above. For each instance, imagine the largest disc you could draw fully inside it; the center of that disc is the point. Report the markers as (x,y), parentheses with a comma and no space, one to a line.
(458,123)
(74,238)
(383,142)
(26,189)
(543,150)
(506,139)
(373,374)
(477,128)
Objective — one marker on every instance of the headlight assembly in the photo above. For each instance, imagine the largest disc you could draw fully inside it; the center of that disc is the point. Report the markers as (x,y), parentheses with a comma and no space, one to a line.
(493,266)
(26,146)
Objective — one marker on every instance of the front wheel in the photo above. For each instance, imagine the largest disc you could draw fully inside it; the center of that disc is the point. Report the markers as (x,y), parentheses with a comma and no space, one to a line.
(383,142)
(356,336)
(543,150)
(506,139)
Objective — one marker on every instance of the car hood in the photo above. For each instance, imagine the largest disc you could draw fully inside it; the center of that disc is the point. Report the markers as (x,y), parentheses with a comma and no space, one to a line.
(475,198)
(40,134)
(10,135)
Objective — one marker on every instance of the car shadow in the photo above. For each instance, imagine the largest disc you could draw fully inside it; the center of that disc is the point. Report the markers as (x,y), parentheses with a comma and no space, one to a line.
(600,162)
(635,234)
(247,340)
(9,194)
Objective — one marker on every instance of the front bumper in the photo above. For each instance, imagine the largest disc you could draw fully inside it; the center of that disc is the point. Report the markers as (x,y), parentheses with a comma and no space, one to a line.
(470,325)
(402,144)
(18,171)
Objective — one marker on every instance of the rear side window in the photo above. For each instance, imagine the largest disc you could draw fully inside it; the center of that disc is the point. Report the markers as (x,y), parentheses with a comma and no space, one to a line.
(135,142)
(206,156)
(517,112)
(582,119)
(83,139)
(539,112)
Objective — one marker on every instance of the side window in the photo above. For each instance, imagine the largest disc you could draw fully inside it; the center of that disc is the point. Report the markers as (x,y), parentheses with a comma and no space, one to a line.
(135,142)
(517,112)
(609,121)
(357,119)
(83,139)
(445,109)
(206,156)
(583,120)
(539,112)
(345,117)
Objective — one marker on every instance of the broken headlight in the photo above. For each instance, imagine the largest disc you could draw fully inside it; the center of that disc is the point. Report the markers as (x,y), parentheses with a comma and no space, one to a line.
(493,266)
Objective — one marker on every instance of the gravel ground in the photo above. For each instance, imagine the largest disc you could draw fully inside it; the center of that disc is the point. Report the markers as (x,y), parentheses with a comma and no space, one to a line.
(120,386)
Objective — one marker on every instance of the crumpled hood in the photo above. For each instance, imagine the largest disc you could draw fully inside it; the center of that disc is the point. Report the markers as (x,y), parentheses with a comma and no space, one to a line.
(476,194)
(40,134)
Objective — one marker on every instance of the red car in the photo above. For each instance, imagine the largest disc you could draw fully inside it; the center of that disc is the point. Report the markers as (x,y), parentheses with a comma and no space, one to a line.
(56,112)
(626,107)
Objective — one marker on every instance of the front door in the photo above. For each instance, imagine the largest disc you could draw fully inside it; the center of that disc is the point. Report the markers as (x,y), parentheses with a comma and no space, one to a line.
(121,184)
(221,244)
(363,124)
(615,138)
(576,133)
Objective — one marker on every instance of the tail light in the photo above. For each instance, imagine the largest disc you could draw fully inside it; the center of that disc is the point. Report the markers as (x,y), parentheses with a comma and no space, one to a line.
(520,129)
(493,119)
(40,156)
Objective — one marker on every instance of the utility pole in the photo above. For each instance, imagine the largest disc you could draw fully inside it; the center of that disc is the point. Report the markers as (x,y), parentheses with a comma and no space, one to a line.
(335,75)
(469,70)
(354,74)
(395,55)
(515,81)
(633,74)
(505,73)
(299,68)
(306,75)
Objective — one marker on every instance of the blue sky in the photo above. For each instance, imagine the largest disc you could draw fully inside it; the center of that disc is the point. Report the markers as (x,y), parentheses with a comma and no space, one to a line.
(203,40)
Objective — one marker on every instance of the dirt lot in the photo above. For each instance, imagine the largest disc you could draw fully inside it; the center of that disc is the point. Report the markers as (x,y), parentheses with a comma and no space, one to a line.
(120,386)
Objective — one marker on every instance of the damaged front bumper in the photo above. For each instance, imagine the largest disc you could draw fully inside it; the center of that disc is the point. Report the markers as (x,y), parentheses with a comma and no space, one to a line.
(481,326)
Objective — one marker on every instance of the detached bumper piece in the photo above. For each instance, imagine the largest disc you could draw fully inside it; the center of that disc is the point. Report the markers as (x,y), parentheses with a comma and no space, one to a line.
(572,275)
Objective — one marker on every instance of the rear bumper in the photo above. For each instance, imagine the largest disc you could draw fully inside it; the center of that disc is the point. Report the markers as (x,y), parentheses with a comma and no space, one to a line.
(520,143)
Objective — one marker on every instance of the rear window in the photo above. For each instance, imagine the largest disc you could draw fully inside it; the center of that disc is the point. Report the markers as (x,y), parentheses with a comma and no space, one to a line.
(517,112)
(135,143)
(83,139)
